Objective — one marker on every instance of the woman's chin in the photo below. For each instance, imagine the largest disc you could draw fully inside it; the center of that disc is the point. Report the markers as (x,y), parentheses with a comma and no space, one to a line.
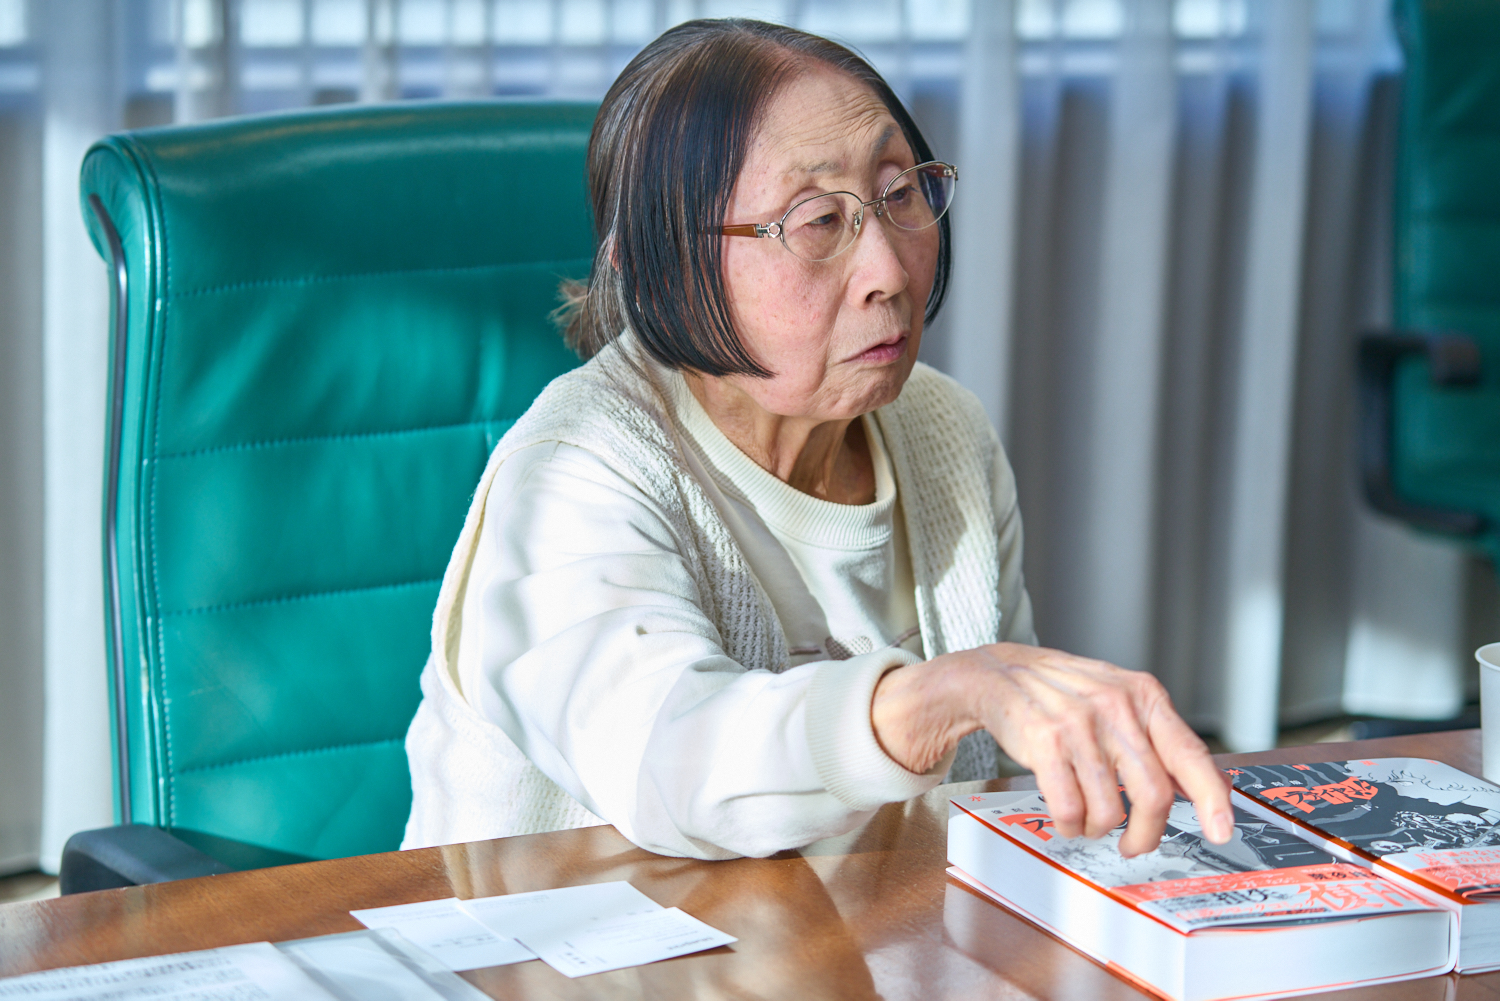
(872,387)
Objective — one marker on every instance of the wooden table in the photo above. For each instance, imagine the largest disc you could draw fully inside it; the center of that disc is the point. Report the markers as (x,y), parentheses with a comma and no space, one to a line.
(869,915)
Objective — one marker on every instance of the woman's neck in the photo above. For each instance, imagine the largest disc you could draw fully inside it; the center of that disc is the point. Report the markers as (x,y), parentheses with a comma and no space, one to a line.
(829,459)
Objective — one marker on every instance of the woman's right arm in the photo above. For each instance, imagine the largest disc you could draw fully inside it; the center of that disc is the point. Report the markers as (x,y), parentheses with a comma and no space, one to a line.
(585,640)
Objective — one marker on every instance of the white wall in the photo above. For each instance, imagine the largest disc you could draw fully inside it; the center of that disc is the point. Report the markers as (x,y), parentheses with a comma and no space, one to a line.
(20,491)
(80,104)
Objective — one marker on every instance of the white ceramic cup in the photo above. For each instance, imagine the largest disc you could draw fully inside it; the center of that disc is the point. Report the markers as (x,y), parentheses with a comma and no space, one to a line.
(1489,707)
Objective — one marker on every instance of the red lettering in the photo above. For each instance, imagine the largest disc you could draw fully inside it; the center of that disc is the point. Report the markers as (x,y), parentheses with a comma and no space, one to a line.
(1334,794)
(1036,823)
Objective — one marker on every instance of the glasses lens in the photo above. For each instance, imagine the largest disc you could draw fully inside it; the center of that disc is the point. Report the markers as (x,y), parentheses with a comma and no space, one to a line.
(820,227)
(918,197)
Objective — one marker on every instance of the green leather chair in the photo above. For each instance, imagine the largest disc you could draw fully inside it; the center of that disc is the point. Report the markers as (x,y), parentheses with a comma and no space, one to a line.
(322,323)
(1430,390)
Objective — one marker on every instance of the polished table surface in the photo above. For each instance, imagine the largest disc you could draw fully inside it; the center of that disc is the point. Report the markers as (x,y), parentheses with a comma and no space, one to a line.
(868,915)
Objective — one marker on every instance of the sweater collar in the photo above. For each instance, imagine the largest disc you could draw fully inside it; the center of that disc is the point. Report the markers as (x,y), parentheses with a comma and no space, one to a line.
(784,508)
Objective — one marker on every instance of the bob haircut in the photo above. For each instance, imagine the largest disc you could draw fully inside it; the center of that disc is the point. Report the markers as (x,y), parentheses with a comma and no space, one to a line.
(665,152)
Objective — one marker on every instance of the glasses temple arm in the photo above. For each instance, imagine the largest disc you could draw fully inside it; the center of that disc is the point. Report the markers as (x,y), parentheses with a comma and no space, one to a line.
(750,229)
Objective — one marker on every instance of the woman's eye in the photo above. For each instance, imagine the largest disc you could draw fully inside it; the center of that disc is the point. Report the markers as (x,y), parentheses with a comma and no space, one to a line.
(825,220)
(900,196)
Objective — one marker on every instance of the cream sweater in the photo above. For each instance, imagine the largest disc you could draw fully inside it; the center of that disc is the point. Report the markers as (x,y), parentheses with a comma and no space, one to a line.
(838,575)
(645,679)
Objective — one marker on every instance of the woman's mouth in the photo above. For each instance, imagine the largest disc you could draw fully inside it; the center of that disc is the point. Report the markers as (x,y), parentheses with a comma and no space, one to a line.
(884,352)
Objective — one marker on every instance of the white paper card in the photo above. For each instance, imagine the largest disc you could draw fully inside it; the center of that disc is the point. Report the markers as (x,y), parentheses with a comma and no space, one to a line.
(452,937)
(630,940)
(545,914)
(359,968)
(254,972)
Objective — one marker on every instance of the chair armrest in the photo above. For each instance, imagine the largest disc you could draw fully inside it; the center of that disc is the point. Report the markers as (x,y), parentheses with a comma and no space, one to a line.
(1452,360)
(130,855)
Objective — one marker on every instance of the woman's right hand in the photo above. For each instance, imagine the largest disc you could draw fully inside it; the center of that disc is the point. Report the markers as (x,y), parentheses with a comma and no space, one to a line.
(1084,727)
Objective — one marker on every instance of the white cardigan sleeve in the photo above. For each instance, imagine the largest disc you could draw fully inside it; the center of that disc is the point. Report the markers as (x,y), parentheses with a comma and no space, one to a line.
(584,640)
(1016,624)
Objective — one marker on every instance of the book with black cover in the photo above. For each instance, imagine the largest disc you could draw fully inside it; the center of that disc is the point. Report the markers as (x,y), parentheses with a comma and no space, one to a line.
(1419,822)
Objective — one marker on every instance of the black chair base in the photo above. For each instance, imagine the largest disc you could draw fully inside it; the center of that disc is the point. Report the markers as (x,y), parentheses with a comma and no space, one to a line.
(137,854)
(130,855)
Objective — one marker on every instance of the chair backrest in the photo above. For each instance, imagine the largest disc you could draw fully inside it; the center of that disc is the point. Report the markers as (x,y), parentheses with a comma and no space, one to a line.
(1445,439)
(324,321)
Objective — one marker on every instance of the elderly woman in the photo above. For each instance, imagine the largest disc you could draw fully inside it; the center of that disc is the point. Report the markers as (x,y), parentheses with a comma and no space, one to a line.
(752,571)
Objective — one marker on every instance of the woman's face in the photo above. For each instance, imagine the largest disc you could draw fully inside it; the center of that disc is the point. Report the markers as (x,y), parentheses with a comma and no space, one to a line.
(840,336)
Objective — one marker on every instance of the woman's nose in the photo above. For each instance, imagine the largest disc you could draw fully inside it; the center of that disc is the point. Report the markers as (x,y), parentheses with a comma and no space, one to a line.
(879,272)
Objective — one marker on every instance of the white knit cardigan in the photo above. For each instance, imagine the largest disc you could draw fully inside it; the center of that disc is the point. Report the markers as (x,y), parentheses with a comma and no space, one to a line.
(942,448)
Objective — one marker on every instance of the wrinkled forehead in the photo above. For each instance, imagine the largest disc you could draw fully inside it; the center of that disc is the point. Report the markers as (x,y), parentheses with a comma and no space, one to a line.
(823,122)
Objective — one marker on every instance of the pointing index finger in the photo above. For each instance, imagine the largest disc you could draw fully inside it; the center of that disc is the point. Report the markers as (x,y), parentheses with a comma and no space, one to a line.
(1187,760)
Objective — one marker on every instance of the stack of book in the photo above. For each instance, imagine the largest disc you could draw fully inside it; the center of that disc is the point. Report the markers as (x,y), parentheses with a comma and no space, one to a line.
(1419,823)
(1343,874)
